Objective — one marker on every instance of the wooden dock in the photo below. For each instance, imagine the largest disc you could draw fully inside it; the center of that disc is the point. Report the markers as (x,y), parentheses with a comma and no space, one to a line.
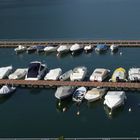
(46,84)
(15,43)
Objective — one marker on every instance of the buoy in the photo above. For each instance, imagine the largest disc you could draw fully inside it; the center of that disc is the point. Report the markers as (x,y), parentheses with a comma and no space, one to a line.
(120,53)
(64,109)
(78,113)
(110,113)
(129,110)
(59,103)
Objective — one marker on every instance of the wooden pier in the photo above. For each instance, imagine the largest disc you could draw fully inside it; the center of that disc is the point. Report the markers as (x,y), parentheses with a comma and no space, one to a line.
(15,43)
(46,84)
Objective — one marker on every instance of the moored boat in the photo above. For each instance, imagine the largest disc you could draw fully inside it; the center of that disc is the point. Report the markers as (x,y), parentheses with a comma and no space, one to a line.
(18,74)
(36,71)
(53,74)
(95,94)
(20,49)
(65,76)
(78,73)
(101,47)
(63,49)
(40,49)
(114,99)
(31,49)
(64,92)
(119,75)
(79,94)
(134,74)
(50,49)
(99,74)
(5,71)
(5,90)
(76,48)
(88,48)
(113,47)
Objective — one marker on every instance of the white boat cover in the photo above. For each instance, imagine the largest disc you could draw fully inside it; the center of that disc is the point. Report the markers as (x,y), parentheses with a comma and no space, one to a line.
(53,74)
(5,71)
(62,48)
(6,89)
(75,47)
(18,74)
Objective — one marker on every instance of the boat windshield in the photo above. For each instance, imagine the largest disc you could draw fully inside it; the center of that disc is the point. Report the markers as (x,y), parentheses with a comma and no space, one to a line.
(33,70)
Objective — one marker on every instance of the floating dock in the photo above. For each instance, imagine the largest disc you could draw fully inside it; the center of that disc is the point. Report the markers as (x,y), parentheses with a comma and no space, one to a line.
(15,43)
(46,84)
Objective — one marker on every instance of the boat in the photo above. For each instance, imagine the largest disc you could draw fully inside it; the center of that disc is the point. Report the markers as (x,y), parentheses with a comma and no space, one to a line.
(50,49)
(5,71)
(31,49)
(65,76)
(114,99)
(101,47)
(95,94)
(18,74)
(63,49)
(119,75)
(113,47)
(134,74)
(20,49)
(78,74)
(53,74)
(76,48)
(36,71)
(88,48)
(40,49)
(6,89)
(99,74)
(64,92)
(79,94)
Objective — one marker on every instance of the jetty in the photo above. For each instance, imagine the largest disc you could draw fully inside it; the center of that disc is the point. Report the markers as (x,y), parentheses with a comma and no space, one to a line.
(15,43)
(48,84)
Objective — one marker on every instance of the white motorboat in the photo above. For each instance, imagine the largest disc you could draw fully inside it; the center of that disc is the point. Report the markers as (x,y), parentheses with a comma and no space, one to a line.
(20,49)
(63,49)
(75,48)
(95,94)
(50,49)
(31,49)
(40,49)
(99,74)
(53,74)
(36,71)
(5,90)
(113,47)
(66,75)
(114,99)
(64,92)
(88,48)
(18,74)
(134,74)
(79,73)
(5,71)
(79,94)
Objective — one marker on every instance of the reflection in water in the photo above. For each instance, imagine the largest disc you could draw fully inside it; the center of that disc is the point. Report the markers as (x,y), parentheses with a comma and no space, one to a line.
(4,98)
(114,52)
(34,91)
(62,55)
(63,105)
(114,112)
(94,104)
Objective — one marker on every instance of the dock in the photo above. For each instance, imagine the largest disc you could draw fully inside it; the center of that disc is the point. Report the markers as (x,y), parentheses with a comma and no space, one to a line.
(15,43)
(52,84)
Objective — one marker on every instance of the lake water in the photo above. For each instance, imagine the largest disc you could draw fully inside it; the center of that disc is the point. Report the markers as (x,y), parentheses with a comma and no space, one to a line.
(35,112)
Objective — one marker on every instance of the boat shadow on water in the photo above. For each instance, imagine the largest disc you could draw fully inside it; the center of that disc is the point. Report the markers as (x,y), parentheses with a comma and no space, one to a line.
(4,98)
(63,105)
(116,112)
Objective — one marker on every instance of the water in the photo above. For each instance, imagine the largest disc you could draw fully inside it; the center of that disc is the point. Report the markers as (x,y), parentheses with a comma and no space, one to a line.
(35,112)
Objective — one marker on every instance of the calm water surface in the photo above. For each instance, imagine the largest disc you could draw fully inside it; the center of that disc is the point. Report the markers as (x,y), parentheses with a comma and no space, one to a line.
(35,112)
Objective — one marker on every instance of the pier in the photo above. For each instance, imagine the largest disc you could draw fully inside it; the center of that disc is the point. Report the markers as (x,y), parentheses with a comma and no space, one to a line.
(46,84)
(15,43)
